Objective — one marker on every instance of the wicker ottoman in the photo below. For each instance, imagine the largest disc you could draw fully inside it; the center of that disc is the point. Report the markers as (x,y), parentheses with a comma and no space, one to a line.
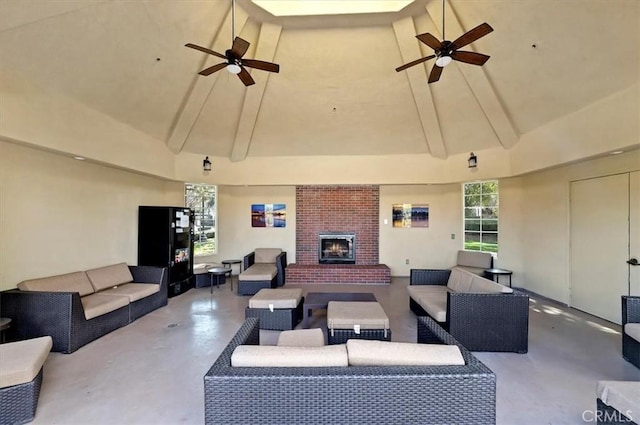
(21,365)
(277,308)
(356,320)
(201,272)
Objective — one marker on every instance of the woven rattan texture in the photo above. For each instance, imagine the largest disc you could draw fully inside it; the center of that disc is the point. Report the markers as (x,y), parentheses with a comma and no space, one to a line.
(148,274)
(282,319)
(607,415)
(18,403)
(630,314)
(348,395)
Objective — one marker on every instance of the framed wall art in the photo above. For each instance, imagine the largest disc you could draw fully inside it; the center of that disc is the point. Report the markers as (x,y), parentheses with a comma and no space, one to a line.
(410,215)
(268,215)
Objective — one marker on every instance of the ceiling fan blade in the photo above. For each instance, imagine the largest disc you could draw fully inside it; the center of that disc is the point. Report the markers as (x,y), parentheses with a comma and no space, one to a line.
(435,74)
(204,49)
(239,47)
(265,66)
(471,36)
(212,69)
(470,57)
(245,77)
(429,40)
(415,62)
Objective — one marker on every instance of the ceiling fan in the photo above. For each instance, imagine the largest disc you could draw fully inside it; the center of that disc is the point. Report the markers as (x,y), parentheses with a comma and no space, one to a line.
(234,62)
(446,51)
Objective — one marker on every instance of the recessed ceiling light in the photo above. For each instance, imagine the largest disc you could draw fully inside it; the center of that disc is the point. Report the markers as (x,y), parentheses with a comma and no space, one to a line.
(79,158)
(616,152)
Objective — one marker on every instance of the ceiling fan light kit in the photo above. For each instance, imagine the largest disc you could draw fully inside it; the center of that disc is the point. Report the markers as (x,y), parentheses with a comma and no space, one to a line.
(446,51)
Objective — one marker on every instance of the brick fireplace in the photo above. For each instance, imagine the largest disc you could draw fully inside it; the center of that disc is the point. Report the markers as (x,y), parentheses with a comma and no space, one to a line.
(322,210)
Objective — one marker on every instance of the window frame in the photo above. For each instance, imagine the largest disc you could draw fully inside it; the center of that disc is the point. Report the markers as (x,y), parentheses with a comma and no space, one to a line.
(205,236)
(485,220)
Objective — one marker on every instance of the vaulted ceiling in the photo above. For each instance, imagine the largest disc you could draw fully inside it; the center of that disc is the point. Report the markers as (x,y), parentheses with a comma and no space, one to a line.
(337,92)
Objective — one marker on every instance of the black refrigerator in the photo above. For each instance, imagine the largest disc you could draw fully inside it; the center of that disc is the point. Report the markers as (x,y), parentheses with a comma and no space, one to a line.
(165,239)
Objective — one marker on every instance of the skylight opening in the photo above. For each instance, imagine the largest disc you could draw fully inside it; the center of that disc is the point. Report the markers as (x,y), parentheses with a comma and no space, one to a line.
(330,7)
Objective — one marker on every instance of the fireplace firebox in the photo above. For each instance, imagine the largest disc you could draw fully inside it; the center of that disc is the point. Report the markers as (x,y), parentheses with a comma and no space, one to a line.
(337,248)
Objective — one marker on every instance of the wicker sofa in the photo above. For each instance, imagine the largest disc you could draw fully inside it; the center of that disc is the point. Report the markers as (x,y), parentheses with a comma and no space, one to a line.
(349,394)
(481,314)
(77,308)
(631,329)
(262,268)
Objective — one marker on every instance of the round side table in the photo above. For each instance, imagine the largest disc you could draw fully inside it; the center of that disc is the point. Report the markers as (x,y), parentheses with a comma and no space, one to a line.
(230,263)
(218,273)
(496,273)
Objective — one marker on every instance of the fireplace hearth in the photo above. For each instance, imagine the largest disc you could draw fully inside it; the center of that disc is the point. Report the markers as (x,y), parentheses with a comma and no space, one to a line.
(337,248)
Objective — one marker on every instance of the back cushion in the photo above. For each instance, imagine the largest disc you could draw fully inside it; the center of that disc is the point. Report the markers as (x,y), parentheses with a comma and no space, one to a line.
(482,285)
(474,259)
(70,282)
(266,255)
(109,276)
(460,280)
(364,352)
(288,356)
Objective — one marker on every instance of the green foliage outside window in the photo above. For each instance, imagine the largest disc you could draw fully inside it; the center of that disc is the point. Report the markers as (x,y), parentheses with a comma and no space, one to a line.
(481,216)
(201,199)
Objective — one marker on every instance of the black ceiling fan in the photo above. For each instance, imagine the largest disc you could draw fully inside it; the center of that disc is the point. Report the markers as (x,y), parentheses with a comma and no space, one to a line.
(234,62)
(445,51)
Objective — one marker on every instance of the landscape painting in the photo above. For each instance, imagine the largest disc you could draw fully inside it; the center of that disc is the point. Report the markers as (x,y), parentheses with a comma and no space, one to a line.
(268,215)
(410,215)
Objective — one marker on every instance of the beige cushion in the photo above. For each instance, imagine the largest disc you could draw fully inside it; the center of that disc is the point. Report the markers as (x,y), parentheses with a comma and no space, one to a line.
(259,272)
(203,268)
(109,276)
(474,259)
(348,314)
(98,304)
(459,280)
(283,356)
(301,338)
(633,330)
(21,361)
(482,285)
(624,396)
(273,298)
(432,298)
(364,352)
(135,291)
(266,255)
(70,282)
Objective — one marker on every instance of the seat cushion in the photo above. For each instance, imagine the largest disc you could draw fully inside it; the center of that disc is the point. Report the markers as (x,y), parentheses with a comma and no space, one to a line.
(266,255)
(633,330)
(272,298)
(301,338)
(21,361)
(349,314)
(259,272)
(70,282)
(109,276)
(98,304)
(432,298)
(284,356)
(135,291)
(364,352)
(624,396)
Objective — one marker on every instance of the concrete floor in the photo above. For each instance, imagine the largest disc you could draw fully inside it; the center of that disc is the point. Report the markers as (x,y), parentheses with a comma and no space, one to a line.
(150,372)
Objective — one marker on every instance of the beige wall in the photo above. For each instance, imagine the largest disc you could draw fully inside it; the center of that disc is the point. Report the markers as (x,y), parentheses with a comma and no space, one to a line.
(59,215)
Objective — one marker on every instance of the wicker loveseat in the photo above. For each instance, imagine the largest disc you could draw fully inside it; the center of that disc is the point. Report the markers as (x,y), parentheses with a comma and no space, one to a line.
(77,308)
(349,394)
(263,268)
(631,329)
(481,314)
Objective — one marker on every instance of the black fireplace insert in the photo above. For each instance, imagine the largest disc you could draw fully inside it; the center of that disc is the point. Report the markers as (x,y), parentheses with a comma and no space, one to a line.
(337,248)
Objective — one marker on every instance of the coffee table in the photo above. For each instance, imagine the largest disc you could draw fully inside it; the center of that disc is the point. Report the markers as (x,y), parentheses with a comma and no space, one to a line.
(320,301)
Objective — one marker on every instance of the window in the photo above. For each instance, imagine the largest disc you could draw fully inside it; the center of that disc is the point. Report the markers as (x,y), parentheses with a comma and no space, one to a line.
(201,198)
(481,216)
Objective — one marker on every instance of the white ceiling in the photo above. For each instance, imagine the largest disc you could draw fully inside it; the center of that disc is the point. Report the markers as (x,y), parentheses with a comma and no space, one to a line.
(337,92)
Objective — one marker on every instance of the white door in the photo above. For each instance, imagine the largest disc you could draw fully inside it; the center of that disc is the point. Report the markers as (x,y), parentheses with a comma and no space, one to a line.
(599,216)
(634,231)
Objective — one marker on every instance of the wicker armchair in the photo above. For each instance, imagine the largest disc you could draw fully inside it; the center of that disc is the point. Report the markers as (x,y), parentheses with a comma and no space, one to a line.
(251,287)
(630,314)
(349,395)
(480,321)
